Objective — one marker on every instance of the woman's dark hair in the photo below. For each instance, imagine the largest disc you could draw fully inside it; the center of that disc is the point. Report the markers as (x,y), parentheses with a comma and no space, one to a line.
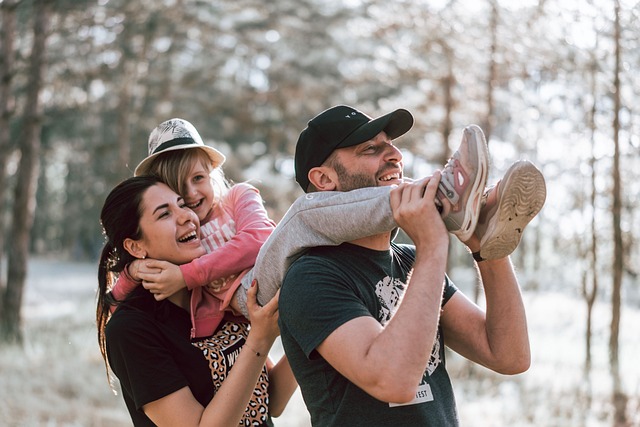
(120,219)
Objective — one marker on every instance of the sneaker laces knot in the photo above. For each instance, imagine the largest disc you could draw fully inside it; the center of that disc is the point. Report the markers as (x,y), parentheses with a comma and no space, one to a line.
(448,181)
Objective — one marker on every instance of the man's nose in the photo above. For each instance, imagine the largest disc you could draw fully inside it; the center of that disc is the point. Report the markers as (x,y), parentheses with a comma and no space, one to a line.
(393,154)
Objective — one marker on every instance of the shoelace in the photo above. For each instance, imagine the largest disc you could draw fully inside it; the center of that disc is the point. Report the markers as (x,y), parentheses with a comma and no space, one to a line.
(447,182)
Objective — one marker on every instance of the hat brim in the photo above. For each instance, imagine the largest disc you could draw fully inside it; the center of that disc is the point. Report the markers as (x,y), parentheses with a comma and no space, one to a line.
(394,124)
(216,157)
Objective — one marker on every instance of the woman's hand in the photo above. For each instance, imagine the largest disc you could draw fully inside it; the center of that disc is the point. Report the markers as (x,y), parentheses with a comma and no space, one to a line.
(264,320)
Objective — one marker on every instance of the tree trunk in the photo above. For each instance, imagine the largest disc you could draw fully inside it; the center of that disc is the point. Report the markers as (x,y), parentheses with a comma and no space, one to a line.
(7,38)
(589,292)
(132,56)
(123,133)
(487,123)
(616,208)
(448,83)
(25,191)
(619,399)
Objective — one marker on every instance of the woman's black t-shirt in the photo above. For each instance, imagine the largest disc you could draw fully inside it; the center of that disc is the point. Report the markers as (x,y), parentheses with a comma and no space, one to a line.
(149,350)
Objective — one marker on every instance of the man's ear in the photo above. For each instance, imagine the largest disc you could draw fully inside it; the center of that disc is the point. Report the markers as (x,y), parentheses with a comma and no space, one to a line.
(135,248)
(323,178)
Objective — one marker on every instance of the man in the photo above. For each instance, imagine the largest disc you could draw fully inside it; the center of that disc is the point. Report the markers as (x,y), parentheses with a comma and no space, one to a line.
(363,323)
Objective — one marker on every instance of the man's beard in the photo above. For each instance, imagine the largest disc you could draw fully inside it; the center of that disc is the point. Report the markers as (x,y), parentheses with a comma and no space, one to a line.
(350,182)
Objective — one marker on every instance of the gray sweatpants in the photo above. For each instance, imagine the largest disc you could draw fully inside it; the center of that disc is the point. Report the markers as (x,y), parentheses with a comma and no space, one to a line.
(326,218)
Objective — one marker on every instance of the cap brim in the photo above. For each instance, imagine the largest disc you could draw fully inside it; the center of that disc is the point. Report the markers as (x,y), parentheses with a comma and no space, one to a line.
(395,124)
(216,157)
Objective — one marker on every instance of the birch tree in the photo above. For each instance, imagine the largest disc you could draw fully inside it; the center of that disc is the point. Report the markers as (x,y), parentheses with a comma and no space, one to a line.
(619,399)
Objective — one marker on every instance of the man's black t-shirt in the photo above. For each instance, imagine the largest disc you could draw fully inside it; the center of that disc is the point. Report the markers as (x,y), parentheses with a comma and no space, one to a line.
(326,288)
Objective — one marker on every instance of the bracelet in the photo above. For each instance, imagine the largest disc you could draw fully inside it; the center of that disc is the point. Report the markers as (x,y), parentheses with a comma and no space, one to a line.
(256,352)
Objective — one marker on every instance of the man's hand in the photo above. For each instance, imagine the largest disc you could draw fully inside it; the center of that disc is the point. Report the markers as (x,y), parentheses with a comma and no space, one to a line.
(415,211)
(161,278)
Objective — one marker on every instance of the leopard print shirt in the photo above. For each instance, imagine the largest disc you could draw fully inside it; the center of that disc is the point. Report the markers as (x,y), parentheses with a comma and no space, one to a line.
(221,351)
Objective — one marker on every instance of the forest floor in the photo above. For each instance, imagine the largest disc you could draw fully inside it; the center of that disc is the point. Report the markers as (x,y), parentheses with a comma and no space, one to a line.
(58,379)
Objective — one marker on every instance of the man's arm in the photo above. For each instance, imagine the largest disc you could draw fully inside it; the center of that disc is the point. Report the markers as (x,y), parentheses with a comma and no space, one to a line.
(497,338)
(359,348)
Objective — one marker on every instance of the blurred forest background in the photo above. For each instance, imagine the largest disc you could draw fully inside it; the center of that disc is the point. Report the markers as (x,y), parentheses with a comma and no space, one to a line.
(82,83)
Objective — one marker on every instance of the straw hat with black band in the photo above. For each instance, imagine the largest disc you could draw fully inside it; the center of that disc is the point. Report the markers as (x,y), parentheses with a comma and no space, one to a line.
(176,134)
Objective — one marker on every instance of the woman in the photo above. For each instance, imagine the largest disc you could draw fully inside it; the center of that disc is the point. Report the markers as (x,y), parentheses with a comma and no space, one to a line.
(164,377)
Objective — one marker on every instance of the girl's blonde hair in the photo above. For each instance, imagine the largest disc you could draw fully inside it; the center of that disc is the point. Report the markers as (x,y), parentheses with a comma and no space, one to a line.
(173,167)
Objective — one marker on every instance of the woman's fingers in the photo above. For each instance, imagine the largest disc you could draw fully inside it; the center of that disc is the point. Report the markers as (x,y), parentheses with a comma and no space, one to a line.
(252,295)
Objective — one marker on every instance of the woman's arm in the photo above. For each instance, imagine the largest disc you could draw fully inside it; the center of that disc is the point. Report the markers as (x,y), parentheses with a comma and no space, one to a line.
(227,407)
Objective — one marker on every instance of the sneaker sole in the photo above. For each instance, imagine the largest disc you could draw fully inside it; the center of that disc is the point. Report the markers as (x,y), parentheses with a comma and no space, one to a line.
(524,195)
(472,208)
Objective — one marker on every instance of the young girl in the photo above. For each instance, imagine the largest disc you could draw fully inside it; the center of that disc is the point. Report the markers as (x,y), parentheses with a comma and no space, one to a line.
(234,224)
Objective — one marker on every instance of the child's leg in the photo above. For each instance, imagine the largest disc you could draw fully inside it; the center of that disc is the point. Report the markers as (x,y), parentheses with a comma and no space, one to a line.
(239,300)
(320,219)
(327,218)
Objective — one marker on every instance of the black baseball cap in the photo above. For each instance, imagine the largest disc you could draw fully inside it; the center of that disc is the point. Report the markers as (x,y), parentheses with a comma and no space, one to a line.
(342,126)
